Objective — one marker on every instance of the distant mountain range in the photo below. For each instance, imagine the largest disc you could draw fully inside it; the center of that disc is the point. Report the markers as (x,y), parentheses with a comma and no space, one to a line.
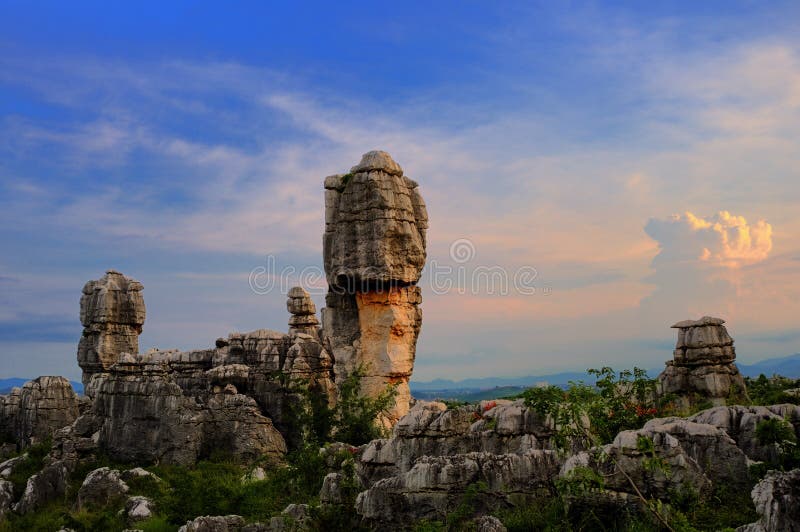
(475,389)
(478,389)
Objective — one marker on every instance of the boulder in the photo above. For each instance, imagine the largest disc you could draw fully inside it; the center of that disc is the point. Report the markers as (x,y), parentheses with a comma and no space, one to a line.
(666,470)
(6,497)
(219,523)
(138,508)
(48,485)
(101,487)
(488,523)
(7,467)
(777,500)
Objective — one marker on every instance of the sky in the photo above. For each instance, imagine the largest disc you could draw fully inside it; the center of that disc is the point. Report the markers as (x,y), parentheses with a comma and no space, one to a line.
(594,171)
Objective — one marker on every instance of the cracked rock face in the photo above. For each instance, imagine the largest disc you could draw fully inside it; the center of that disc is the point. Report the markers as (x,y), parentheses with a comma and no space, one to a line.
(436,485)
(303,311)
(777,500)
(703,362)
(374,252)
(112,314)
(34,412)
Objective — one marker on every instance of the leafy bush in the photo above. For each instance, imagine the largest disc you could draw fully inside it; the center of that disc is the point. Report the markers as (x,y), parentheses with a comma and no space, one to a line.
(771,391)
(594,415)
(352,419)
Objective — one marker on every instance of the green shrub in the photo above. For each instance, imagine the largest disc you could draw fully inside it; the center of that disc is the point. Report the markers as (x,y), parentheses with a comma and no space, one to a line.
(352,419)
(771,391)
(594,415)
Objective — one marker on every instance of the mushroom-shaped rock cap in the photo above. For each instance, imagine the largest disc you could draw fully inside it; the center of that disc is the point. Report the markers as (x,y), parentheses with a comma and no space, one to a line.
(702,322)
(377,160)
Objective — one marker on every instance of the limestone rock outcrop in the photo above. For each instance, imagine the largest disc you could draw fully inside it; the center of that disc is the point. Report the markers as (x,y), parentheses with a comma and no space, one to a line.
(431,429)
(47,485)
(435,453)
(112,314)
(740,423)
(436,485)
(6,497)
(101,487)
(144,415)
(34,412)
(303,311)
(374,252)
(703,364)
(777,500)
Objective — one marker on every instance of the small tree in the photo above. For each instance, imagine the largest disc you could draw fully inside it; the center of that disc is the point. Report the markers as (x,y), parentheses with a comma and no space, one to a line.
(352,419)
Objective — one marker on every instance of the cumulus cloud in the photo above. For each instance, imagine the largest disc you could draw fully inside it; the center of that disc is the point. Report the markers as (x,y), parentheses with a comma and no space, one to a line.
(723,239)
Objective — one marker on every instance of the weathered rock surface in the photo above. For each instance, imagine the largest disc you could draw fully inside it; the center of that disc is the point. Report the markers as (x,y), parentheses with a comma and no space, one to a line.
(138,508)
(435,485)
(145,416)
(740,423)
(703,363)
(48,485)
(436,453)
(622,460)
(777,500)
(7,467)
(34,412)
(101,487)
(374,252)
(303,311)
(219,523)
(710,447)
(430,429)
(488,523)
(112,314)
(667,457)
(6,497)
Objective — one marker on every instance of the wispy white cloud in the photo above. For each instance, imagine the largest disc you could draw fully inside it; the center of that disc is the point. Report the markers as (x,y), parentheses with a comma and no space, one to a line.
(719,132)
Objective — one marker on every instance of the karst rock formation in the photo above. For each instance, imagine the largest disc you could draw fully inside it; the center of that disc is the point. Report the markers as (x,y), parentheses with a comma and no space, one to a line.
(374,252)
(237,397)
(703,363)
(112,314)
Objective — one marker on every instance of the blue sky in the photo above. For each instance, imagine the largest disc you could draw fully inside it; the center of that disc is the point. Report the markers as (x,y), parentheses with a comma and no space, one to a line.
(642,157)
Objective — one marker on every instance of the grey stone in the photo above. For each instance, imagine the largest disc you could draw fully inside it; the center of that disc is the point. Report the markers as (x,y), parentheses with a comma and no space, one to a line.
(48,485)
(435,485)
(101,487)
(138,508)
(703,363)
(34,412)
(373,253)
(219,523)
(6,497)
(777,500)
(112,314)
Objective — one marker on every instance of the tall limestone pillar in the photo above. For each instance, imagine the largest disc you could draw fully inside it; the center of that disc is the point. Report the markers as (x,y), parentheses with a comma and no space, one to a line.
(374,252)
(112,314)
